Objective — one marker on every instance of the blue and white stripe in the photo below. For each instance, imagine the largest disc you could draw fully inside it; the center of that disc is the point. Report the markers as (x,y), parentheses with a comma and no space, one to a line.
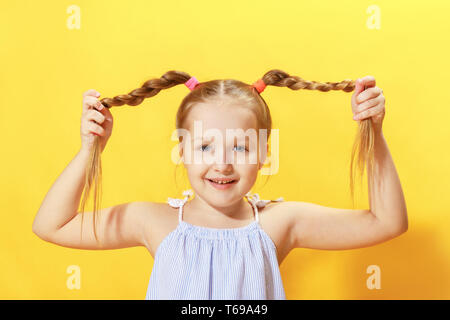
(200,263)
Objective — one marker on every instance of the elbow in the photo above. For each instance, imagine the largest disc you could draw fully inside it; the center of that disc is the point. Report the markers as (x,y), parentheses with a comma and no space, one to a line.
(36,225)
(399,229)
(42,235)
(404,225)
(39,232)
(34,228)
(36,231)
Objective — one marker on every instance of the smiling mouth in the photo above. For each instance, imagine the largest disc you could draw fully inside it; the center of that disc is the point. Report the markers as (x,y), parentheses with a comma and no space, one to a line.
(222,182)
(222,185)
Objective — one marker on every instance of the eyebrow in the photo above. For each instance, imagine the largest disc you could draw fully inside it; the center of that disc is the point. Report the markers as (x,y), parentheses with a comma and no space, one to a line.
(204,138)
(212,138)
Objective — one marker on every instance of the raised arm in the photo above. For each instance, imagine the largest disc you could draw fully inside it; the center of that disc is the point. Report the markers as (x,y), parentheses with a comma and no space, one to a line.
(320,227)
(58,221)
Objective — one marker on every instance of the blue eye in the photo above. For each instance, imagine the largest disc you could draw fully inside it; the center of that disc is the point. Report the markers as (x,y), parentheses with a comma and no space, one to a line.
(244,148)
(205,145)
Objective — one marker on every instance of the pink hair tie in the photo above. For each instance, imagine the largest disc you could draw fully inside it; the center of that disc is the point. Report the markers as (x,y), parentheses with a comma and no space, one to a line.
(191,83)
(259,85)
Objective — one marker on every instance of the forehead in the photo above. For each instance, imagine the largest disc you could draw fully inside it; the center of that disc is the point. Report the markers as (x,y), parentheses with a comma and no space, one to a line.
(221,116)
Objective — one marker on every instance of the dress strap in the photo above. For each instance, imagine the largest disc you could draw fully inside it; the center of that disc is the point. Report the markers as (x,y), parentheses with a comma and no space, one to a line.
(179,203)
(256,202)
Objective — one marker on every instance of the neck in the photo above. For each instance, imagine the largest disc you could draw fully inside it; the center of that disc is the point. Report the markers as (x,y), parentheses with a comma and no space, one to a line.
(241,210)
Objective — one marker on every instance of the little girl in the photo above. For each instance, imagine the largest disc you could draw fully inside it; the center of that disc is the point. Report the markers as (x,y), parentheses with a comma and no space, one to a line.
(224,243)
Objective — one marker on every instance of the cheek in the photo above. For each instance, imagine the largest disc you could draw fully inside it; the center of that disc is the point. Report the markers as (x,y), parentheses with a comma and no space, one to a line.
(196,171)
(249,179)
(247,172)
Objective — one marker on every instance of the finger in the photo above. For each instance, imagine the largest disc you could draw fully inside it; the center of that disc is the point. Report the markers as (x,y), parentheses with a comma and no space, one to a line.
(369,81)
(366,104)
(91,92)
(90,102)
(107,113)
(367,94)
(96,129)
(368,113)
(359,87)
(96,116)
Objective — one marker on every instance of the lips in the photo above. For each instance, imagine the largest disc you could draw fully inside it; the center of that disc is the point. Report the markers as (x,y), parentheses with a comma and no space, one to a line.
(221,186)
(223,180)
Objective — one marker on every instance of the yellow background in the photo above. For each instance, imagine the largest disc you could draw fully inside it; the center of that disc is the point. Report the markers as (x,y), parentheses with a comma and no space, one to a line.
(45,68)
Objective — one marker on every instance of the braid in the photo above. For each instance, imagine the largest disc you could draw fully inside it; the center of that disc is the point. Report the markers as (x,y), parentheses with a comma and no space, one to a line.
(93,174)
(280,78)
(363,146)
(149,89)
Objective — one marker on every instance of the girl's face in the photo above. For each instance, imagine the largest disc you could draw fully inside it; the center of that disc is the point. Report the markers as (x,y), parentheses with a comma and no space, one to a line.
(224,144)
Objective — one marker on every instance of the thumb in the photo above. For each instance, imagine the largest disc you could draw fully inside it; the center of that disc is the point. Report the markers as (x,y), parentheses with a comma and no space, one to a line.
(359,87)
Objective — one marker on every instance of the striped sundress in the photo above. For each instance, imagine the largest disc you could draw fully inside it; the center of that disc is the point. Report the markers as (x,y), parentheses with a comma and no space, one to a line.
(200,263)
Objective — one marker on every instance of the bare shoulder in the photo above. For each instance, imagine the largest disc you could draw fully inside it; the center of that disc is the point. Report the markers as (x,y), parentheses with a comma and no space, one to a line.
(159,220)
(278,214)
(275,220)
(274,209)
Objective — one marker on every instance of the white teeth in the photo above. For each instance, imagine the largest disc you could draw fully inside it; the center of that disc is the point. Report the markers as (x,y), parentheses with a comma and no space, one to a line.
(222,182)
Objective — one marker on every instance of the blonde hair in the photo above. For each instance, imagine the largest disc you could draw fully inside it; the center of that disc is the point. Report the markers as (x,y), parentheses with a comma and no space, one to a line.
(247,96)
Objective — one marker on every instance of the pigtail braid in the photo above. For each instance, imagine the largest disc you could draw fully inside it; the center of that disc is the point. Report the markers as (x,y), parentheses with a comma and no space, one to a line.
(149,89)
(363,145)
(94,169)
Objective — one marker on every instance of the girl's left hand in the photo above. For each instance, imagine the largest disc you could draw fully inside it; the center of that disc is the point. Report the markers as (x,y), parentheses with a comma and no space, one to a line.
(368,101)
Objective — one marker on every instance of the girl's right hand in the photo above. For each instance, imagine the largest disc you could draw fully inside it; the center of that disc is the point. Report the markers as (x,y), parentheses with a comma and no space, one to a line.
(95,120)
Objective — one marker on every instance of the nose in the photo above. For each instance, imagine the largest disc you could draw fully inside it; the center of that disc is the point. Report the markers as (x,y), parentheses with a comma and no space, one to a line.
(220,161)
(224,168)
